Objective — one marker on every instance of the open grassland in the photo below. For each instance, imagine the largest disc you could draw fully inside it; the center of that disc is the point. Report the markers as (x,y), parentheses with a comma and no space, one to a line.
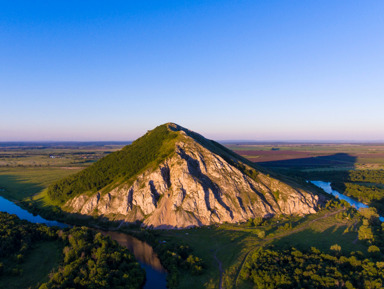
(27,169)
(21,183)
(54,154)
(42,259)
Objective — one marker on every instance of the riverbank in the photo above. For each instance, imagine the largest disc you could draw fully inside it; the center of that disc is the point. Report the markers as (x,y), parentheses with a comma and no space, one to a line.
(327,187)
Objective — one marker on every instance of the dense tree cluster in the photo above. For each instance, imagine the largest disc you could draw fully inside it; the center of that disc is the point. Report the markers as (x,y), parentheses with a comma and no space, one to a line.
(340,176)
(94,261)
(116,167)
(16,239)
(367,176)
(269,268)
(365,194)
(177,257)
(371,229)
(90,260)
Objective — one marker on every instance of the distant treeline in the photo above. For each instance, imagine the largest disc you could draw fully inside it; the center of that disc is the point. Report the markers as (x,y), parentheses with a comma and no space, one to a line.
(116,167)
(89,260)
(366,176)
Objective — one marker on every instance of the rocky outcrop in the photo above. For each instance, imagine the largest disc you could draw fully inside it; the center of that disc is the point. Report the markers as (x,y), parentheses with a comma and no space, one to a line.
(194,187)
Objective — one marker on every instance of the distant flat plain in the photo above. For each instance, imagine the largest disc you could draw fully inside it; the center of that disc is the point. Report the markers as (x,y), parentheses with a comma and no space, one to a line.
(314,156)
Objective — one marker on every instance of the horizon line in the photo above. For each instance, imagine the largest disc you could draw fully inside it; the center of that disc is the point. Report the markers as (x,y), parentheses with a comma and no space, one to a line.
(225,141)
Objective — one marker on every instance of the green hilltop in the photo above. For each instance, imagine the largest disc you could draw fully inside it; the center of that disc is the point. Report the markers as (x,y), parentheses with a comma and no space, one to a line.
(144,153)
(118,167)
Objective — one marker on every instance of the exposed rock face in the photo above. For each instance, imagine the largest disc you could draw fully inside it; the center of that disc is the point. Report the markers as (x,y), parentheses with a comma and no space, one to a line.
(195,187)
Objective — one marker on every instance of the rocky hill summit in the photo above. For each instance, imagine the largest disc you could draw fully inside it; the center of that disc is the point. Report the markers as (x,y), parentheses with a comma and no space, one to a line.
(175,178)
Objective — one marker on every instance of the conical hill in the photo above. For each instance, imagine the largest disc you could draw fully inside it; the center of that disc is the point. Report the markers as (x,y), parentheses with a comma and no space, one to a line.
(172,178)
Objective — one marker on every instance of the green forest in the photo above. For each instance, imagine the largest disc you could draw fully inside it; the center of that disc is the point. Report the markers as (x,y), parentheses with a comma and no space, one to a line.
(118,166)
(87,260)
(269,268)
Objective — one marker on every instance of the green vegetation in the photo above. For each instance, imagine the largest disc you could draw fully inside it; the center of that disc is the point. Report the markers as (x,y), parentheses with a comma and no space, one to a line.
(367,176)
(269,268)
(29,252)
(22,183)
(95,261)
(38,262)
(117,167)
(364,185)
(338,266)
(21,246)
(177,257)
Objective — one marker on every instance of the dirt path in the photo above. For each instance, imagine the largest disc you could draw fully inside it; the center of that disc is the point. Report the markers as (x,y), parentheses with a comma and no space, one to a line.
(220,269)
(268,240)
(357,237)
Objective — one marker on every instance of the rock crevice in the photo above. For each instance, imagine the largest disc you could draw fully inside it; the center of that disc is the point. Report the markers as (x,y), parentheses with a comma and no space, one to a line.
(192,187)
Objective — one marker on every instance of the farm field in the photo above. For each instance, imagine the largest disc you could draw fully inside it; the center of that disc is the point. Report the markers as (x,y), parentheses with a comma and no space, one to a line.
(313,156)
(64,154)
(28,168)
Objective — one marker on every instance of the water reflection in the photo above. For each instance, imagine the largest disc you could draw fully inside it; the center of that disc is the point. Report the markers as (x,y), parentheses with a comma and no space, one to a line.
(155,272)
(11,208)
(142,251)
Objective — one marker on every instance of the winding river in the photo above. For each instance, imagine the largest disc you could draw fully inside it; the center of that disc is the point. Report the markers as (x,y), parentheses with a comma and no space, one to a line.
(155,272)
(326,186)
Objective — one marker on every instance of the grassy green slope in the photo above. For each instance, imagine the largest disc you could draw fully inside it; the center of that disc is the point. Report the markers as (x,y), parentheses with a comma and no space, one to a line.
(42,259)
(117,167)
(146,152)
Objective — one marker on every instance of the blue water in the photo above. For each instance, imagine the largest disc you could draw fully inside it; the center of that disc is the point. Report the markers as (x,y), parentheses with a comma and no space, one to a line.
(11,208)
(155,273)
(155,279)
(326,186)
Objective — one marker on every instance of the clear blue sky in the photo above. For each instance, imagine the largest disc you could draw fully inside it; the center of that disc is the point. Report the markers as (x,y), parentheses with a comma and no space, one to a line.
(256,70)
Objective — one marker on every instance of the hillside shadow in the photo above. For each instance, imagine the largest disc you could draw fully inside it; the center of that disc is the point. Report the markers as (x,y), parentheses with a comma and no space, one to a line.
(15,187)
(331,168)
(322,240)
(339,160)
